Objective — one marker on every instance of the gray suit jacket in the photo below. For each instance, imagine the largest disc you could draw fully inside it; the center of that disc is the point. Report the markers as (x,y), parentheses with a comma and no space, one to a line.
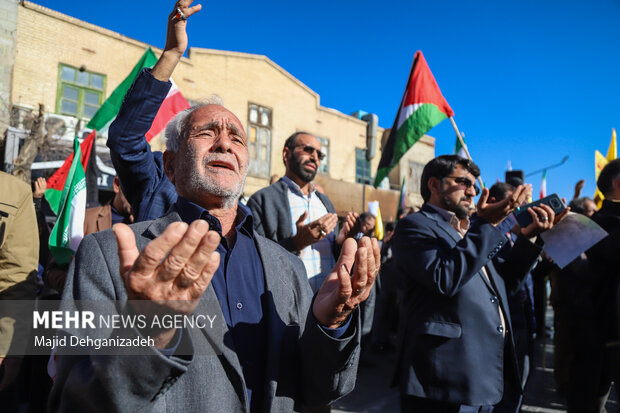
(272,214)
(303,364)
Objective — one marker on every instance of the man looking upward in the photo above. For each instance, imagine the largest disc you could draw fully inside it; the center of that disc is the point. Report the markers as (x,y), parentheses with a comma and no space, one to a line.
(275,346)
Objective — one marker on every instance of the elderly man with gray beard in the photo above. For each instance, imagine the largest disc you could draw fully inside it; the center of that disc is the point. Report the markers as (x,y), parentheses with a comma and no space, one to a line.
(276,347)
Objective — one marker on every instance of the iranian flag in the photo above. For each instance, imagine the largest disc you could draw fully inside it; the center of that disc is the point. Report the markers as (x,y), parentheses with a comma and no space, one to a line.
(69,228)
(57,182)
(422,107)
(174,102)
(543,185)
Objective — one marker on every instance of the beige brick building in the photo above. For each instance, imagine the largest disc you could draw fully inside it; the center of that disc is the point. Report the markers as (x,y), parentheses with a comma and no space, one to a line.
(72,66)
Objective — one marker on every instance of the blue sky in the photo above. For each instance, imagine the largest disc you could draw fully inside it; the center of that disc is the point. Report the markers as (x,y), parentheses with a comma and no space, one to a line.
(530,82)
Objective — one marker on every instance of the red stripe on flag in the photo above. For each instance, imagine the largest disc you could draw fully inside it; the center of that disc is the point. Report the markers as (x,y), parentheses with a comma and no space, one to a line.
(57,180)
(423,87)
(173,104)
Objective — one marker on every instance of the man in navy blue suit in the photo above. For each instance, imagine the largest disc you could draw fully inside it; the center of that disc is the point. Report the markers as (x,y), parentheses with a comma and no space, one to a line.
(456,351)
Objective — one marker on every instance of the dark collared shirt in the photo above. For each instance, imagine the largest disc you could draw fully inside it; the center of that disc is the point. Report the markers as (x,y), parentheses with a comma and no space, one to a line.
(239,284)
(116,217)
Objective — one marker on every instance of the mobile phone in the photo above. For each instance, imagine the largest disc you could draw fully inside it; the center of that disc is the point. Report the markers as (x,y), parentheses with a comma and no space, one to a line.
(553,201)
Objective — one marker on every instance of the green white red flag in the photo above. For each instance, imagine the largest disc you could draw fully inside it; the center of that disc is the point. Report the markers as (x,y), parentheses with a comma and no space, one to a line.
(543,185)
(69,228)
(421,108)
(172,104)
(56,182)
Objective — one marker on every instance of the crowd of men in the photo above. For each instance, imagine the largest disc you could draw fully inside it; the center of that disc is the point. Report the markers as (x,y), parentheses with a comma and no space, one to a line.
(293,285)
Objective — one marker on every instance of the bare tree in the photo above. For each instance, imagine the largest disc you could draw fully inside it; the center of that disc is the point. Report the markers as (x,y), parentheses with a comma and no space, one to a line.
(33,144)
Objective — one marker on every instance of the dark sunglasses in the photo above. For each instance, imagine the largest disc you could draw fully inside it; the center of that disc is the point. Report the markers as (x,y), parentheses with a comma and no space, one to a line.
(310,150)
(461,180)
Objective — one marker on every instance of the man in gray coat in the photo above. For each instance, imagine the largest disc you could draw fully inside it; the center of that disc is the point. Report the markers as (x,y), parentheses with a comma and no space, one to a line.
(272,345)
(293,213)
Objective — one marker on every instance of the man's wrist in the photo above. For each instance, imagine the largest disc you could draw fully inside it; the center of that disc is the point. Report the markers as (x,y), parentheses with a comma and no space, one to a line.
(165,65)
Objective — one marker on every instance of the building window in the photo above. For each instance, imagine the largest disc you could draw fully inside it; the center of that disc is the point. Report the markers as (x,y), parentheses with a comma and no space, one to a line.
(362,167)
(259,139)
(413,177)
(324,168)
(80,93)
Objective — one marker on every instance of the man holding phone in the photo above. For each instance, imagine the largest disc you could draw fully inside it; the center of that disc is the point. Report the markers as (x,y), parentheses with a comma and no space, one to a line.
(456,349)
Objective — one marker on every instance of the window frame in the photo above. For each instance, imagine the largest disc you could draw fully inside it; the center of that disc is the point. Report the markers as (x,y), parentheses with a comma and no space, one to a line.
(81,88)
(325,162)
(258,167)
(368,178)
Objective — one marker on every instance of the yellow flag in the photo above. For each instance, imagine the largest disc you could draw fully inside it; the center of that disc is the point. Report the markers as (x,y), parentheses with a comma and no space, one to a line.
(599,163)
(373,208)
(378,225)
(612,151)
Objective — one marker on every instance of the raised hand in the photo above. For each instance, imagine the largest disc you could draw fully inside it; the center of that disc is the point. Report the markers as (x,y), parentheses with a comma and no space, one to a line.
(543,219)
(349,224)
(496,212)
(578,187)
(308,234)
(341,293)
(176,39)
(172,271)
(40,185)
(176,36)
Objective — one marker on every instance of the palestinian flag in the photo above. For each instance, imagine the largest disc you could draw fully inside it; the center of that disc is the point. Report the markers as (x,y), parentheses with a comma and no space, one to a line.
(57,182)
(459,149)
(174,102)
(69,228)
(422,107)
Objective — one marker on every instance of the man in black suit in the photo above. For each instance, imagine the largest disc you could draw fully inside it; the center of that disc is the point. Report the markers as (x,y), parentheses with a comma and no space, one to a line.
(604,260)
(456,350)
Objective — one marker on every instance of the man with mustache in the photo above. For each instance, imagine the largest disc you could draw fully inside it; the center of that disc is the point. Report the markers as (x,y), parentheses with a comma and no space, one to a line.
(456,349)
(294,214)
(271,344)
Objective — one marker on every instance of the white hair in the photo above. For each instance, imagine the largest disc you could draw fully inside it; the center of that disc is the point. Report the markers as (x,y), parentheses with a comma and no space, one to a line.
(173,134)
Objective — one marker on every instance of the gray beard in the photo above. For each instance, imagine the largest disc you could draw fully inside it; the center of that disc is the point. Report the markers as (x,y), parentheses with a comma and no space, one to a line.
(229,197)
(201,184)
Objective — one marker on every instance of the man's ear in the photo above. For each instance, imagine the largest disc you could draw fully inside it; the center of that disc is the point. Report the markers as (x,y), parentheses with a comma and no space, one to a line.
(116,185)
(285,155)
(169,158)
(434,185)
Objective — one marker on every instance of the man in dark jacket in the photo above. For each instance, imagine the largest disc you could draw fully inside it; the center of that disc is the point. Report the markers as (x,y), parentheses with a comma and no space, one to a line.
(604,259)
(456,349)
(294,214)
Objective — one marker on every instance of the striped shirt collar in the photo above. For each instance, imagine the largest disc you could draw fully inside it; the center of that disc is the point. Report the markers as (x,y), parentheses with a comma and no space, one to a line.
(295,188)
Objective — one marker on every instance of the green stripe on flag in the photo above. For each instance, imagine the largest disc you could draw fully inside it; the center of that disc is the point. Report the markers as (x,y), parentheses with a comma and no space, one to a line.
(413,128)
(108,111)
(53,198)
(69,228)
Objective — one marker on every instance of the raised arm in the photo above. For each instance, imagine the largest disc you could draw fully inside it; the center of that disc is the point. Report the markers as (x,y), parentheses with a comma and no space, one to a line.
(141,171)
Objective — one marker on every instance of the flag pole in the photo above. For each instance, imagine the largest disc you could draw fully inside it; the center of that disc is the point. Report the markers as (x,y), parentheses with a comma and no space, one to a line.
(460,138)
